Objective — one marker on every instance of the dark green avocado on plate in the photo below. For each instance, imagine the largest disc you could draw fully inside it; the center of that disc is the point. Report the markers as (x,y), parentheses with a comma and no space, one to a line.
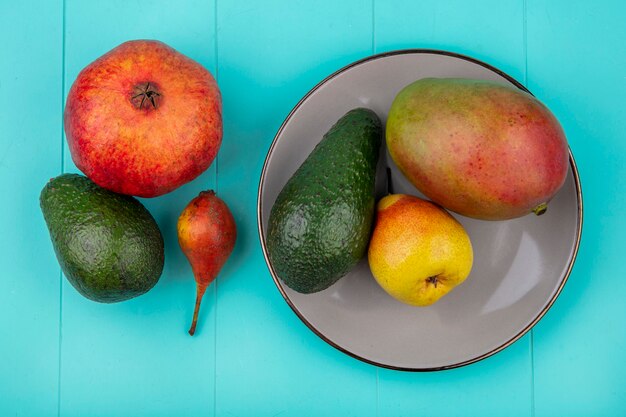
(320,224)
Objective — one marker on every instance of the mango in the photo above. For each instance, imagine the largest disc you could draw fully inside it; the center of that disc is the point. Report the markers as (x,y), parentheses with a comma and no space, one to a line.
(482,149)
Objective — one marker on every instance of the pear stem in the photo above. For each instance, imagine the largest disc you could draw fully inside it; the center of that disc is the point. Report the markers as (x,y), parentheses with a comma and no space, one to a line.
(200,289)
(389,182)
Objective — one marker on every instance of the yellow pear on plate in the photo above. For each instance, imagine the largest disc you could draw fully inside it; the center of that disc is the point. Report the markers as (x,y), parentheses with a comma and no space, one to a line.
(418,252)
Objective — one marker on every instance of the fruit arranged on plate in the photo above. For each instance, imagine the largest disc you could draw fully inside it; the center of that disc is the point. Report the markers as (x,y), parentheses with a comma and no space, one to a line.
(109,246)
(143,119)
(206,235)
(320,224)
(481,149)
(418,252)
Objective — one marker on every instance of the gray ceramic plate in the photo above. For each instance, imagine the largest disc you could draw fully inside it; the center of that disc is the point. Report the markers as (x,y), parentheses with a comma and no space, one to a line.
(520,265)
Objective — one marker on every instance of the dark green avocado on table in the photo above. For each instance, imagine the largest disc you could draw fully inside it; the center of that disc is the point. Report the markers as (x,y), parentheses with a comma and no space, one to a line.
(320,224)
(109,246)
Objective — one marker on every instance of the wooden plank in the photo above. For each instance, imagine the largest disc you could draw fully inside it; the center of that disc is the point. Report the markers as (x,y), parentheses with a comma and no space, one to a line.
(30,154)
(492,31)
(136,358)
(268,363)
(576,61)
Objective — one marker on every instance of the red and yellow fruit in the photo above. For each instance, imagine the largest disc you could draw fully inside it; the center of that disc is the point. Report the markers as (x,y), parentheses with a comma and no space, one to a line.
(143,119)
(206,235)
(478,148)
(418,252)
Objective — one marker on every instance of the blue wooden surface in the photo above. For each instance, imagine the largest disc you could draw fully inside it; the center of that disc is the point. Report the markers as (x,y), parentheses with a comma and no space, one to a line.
(63,355)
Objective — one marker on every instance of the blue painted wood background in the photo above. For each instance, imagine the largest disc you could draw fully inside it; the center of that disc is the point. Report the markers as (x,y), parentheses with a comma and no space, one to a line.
(63,355)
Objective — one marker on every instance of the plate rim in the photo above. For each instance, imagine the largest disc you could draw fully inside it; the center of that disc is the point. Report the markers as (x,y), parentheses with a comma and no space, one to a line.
(261,232)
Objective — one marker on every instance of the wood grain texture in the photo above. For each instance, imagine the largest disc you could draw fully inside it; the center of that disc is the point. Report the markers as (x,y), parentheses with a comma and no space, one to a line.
(30,154)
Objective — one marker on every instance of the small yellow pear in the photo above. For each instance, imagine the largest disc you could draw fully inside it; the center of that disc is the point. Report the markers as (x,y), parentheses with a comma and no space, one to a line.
(418,252)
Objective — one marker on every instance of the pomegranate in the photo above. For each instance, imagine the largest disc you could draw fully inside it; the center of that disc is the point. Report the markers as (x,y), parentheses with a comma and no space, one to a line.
(143,119)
